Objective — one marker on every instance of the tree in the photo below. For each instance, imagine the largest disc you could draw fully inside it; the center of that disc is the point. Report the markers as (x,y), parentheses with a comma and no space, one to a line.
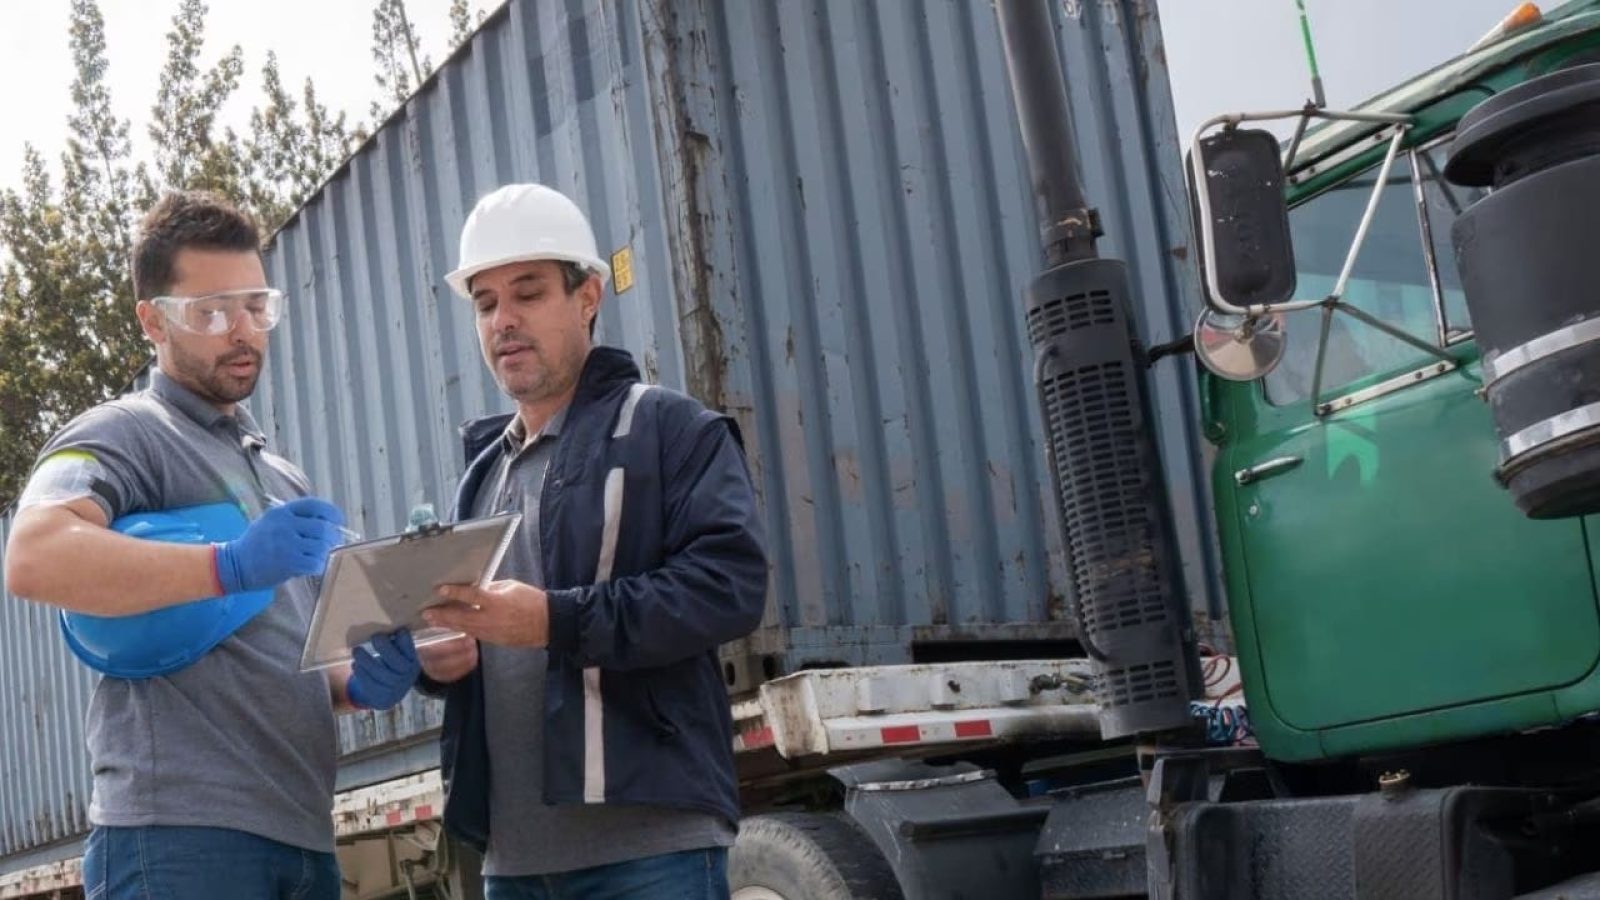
(461,23)
(182,125)
(67,330)
(30,223)
(291,147)
(394,49)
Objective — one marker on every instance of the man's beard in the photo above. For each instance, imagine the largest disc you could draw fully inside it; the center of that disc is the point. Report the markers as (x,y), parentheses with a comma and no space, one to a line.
(211,381)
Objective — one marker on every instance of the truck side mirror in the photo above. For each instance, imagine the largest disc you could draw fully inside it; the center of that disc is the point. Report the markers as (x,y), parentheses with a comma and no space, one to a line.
(1244,215)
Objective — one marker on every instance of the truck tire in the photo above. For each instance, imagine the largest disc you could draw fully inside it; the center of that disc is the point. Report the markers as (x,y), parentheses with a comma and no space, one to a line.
(807,856)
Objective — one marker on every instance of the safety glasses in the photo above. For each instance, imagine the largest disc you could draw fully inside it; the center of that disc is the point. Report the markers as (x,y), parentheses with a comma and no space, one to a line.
(217,314)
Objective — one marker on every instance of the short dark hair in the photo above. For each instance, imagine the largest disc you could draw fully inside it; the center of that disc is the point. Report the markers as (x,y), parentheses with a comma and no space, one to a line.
(192,220)
(573,275)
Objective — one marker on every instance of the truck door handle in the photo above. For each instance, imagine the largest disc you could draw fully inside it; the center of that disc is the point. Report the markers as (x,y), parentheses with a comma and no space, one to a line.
(1266,469)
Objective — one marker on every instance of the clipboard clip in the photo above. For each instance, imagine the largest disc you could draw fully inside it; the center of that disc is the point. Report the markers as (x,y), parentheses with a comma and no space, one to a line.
(421,532)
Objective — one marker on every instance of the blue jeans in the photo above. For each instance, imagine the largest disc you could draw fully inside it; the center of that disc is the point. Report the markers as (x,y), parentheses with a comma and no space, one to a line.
(690,875)
(176,863)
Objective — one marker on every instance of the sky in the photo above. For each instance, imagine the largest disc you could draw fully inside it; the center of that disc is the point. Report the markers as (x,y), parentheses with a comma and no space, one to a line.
(1236,55)
(1223,55)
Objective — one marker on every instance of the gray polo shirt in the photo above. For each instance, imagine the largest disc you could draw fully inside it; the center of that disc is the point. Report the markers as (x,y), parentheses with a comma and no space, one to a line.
(240,739)
(527,837)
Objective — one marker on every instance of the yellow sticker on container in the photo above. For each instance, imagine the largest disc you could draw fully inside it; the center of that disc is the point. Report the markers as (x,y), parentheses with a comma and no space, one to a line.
(622,269)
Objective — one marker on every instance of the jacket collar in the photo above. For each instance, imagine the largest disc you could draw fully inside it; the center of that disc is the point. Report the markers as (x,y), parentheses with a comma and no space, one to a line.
(603,370)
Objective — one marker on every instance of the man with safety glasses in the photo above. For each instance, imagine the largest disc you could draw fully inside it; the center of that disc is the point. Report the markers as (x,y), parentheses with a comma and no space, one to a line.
(214,778)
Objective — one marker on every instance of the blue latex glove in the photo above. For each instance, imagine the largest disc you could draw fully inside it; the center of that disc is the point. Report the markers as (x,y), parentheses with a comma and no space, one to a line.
(380,677)
(287,541)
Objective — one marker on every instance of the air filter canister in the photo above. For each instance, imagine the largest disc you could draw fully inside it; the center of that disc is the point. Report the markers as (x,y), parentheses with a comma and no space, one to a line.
(1530,267)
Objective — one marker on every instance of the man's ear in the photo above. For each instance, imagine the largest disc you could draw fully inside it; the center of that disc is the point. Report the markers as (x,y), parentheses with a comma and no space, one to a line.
(590,295)
(152,321)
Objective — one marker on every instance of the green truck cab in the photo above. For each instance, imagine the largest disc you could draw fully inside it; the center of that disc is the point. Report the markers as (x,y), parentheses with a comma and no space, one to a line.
(1385,592)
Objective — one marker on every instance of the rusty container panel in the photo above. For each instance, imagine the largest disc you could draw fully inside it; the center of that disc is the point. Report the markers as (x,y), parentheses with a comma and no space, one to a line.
(851,229)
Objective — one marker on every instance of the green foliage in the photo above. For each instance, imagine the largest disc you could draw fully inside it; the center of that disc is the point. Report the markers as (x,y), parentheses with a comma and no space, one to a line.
(68,337)
(462,22)
(188,149)
(292,147)
(394,49)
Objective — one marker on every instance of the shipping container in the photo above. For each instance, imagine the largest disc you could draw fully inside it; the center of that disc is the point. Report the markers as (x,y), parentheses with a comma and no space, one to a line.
(819,219)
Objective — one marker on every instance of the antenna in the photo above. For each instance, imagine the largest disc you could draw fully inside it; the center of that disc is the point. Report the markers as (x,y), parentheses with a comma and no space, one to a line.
(1318,99)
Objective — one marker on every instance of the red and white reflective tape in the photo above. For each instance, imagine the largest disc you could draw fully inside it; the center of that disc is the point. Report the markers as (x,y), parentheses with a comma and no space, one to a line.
(408,814)
(408,801)
(753,739)
(860,732)
(964,730)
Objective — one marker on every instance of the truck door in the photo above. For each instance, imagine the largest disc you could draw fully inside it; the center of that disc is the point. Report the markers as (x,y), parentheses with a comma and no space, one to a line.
(1376,566)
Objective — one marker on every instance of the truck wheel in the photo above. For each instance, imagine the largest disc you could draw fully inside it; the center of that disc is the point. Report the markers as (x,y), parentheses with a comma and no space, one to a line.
(807,856)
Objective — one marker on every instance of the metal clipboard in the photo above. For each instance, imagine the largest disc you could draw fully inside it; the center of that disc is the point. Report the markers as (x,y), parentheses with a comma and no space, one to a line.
(377,586)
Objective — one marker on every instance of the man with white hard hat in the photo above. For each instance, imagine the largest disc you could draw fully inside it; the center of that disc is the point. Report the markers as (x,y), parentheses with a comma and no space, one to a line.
(587,741)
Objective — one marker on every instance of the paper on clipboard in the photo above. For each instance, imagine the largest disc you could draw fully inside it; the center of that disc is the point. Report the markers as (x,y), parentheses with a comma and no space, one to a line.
(377,586)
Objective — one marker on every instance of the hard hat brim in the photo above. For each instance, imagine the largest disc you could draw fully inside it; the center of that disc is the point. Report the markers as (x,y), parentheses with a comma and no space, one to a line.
(460,277)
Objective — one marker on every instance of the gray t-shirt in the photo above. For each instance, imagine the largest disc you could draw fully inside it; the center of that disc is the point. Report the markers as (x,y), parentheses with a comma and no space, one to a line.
(240,739)
(527,837)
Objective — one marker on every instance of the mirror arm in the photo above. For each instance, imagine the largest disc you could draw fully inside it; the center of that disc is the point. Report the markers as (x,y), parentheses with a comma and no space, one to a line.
(1419,191)
(1175,347)
(1299,133)
(1322,353)
(1368,215)
(1318,408)
(1396,333)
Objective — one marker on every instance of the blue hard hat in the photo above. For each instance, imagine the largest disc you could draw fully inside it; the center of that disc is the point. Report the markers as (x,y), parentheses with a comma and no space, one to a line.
(165,640)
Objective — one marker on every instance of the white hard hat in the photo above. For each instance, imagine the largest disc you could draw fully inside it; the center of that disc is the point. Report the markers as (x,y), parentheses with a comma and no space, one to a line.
(523,222)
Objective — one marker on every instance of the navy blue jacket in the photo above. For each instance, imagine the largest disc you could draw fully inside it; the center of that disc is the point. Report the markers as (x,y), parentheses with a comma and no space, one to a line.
(652,552)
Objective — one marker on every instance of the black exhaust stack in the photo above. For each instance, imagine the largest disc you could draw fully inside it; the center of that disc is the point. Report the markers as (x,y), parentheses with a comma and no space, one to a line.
(1089,369)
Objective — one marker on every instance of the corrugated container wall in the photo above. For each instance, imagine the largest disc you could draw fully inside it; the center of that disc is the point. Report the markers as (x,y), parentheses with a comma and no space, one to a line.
(829,225)
(823,212)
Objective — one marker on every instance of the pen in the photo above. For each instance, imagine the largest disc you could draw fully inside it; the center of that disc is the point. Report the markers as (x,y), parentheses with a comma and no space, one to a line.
(349,536)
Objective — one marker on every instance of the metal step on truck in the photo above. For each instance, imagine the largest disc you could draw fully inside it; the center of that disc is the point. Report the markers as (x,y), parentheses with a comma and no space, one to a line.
(1184,518)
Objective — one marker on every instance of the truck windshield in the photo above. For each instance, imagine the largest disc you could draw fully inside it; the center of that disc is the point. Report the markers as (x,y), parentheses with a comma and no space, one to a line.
(1394,278)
